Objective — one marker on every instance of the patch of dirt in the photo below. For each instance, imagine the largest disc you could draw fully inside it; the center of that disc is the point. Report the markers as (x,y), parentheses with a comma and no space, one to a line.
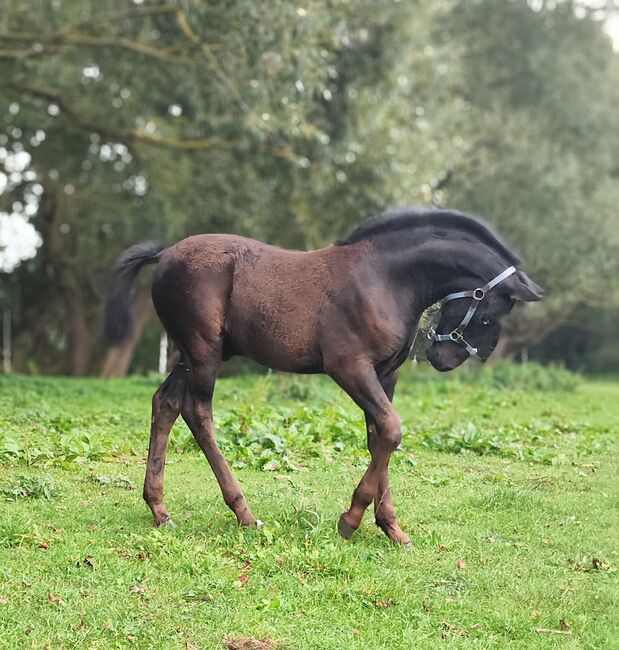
(249,643)
(384,602)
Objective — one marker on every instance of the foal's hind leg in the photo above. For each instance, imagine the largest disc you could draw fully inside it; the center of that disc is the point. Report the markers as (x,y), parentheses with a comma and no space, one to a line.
(167,402)
(198,413)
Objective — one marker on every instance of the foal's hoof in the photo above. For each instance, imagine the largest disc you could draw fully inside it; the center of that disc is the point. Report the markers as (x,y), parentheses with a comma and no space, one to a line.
(168,523)
(345,529)
(395,534)
(251,523)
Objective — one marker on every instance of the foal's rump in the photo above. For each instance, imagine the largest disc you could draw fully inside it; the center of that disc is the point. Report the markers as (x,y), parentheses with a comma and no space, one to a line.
(191,290)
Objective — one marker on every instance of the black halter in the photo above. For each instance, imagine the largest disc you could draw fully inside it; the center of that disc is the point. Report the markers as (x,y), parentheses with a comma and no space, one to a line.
(476,295)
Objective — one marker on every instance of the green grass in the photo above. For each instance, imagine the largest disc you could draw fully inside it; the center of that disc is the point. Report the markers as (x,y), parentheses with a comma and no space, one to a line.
(506,479)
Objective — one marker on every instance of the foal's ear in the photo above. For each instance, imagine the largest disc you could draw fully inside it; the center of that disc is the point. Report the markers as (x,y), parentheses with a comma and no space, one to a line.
(525,289)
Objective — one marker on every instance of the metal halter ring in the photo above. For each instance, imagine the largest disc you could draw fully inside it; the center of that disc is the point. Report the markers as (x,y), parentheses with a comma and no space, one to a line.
(478,294)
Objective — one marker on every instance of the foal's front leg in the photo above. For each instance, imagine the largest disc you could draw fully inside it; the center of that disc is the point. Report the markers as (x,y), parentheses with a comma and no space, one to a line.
(384,512)
(360,381)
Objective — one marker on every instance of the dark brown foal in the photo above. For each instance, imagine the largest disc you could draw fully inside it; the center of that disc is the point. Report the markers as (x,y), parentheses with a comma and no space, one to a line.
(350,310)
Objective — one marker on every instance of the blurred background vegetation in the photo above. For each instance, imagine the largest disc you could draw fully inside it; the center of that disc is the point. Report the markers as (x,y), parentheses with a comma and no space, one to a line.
(122,121)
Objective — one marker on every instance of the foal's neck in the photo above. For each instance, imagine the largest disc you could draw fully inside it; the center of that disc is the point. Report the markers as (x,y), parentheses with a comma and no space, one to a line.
(431,266)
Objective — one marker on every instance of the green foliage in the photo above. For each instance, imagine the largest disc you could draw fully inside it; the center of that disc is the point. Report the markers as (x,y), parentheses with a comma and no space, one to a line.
(31,487)
(309,423)
(121,482)
(73,447)
(277,421)
(529,376)
(537,442)
(271,438)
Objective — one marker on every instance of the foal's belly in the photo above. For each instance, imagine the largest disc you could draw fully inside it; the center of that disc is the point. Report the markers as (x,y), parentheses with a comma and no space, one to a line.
(273,316)
(279,335)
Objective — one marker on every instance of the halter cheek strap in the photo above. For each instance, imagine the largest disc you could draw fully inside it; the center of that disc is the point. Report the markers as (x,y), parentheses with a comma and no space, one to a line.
(476,295)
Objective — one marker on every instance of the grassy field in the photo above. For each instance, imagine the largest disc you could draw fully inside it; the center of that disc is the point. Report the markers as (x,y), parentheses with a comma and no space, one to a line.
(507,480)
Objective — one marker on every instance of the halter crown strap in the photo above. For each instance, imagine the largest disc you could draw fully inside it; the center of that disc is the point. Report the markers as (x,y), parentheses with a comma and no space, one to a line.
(510,270)
(476,296)
(480,292)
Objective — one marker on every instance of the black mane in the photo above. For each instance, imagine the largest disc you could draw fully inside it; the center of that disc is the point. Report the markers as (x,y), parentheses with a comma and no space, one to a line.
(407,218)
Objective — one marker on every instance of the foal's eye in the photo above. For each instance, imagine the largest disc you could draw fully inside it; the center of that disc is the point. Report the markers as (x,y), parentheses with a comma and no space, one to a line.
(485,320)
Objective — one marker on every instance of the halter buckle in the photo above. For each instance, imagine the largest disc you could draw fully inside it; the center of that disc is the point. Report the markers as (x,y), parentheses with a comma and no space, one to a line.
(478,294)
(456,335)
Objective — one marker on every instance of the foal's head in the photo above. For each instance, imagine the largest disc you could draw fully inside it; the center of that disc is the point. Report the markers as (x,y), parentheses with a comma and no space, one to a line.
(481,334)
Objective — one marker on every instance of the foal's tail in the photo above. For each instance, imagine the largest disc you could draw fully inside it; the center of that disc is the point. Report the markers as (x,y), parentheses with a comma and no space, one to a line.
(118,320)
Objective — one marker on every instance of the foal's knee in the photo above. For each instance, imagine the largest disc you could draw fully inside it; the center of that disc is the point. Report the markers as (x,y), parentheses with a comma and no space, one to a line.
(389,429)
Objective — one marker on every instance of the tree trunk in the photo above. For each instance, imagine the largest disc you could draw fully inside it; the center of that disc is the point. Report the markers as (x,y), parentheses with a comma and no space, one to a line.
(79,332)
(527,326)
(507,348)
(80,339)
(118,357)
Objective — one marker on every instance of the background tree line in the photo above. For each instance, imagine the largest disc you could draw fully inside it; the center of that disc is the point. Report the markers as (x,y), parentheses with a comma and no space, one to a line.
(290,122)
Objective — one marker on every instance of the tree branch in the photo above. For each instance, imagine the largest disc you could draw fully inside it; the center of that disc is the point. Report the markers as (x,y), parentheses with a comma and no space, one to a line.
(183,23)
(137,12)
(443,182)
(127,44)
(136,136)
(40,44)
(20,55)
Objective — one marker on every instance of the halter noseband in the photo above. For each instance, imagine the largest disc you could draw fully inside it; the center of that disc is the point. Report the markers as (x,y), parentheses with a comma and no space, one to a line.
(476,295)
